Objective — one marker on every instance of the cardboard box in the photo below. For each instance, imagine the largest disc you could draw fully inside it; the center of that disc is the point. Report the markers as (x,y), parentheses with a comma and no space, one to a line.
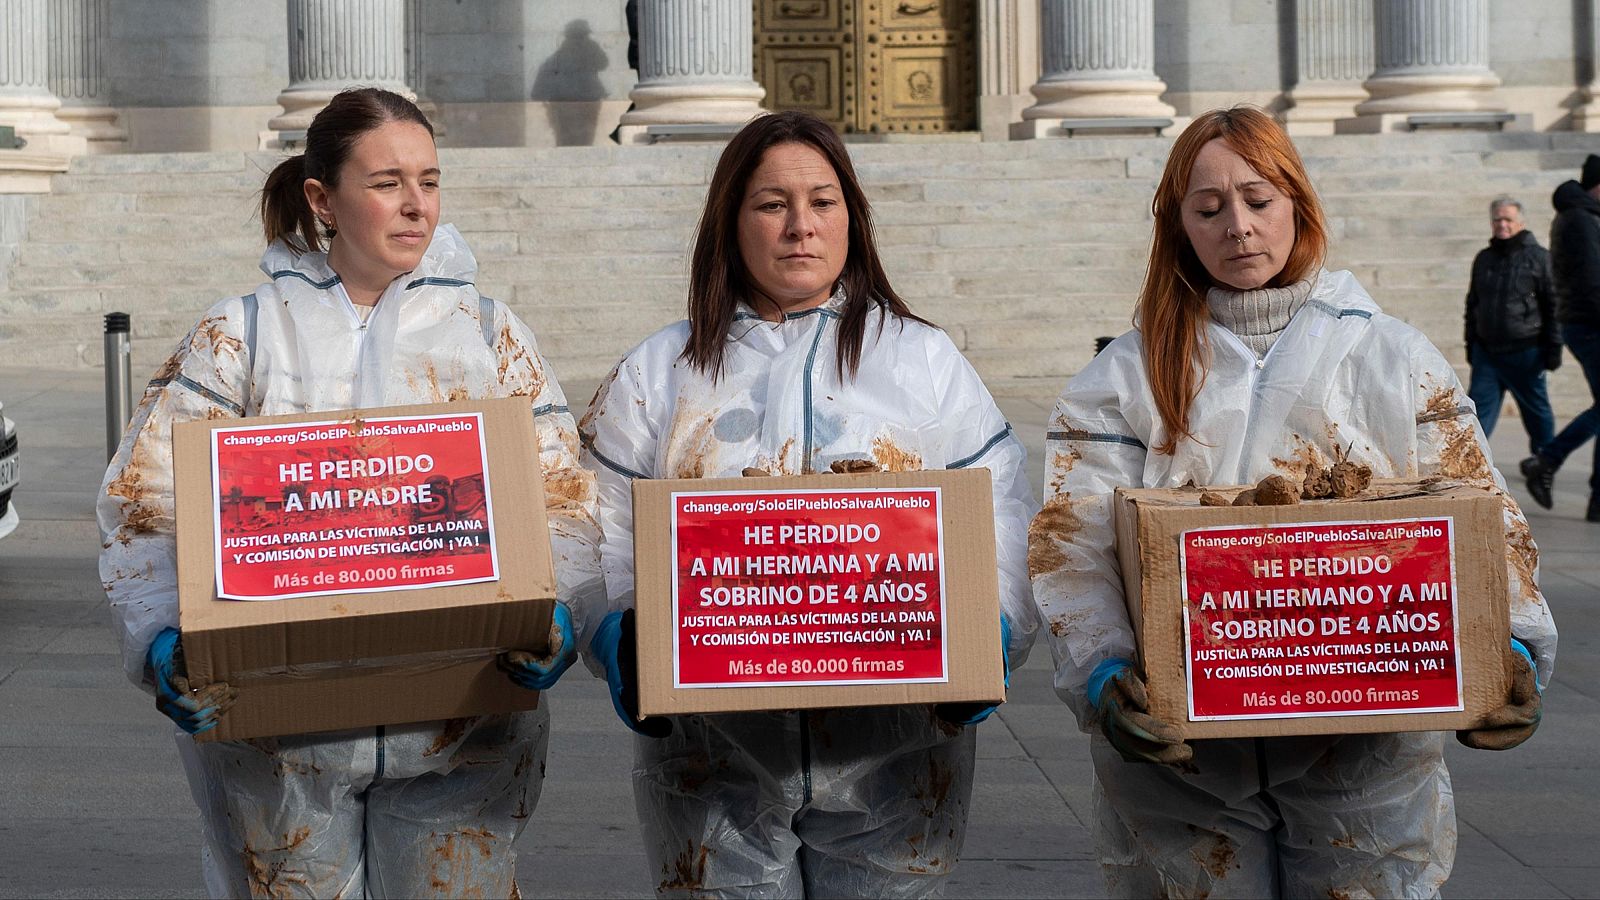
(1383,612)
(816,591)
(388,567)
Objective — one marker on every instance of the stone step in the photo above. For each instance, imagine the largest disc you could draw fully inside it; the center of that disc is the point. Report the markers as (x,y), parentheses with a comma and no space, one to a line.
(1058,364)
(116,274)
(159,183)
(1397,151)
(1065,335)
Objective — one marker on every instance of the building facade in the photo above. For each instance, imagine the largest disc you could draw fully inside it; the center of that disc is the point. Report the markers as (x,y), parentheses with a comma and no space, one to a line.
(166,75)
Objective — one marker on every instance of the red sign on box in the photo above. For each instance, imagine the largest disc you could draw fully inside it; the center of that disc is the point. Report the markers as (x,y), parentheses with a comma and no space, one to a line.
(1321,619)
(351,507)
(808,587)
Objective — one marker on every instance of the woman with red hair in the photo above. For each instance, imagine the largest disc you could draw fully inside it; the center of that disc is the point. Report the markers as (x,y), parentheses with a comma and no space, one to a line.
(1249,359)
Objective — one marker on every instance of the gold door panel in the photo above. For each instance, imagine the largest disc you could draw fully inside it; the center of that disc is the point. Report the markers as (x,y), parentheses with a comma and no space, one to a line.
(809,78)
(899,15)
(921,87)
(871,65)
(799,15)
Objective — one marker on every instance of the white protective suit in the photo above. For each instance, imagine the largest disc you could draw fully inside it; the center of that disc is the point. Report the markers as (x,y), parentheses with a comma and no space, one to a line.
(1360,815)
(427,809)
(837,802)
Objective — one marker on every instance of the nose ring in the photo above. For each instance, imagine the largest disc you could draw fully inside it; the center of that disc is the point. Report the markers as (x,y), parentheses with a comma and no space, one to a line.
(1236,237)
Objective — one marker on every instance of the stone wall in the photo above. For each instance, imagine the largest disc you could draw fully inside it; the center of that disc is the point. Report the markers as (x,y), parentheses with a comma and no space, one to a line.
(1218,52)
(206,74)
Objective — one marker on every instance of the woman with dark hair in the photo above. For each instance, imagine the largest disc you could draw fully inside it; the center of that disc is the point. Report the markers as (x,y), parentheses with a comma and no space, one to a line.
(370,303)
(1247,360)
(797,355)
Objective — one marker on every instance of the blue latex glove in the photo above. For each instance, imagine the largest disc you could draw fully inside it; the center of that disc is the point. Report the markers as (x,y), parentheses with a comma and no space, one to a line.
(1102,675)
(540,673)
(973,713)
(194,711)
(1118,694)
(615,643)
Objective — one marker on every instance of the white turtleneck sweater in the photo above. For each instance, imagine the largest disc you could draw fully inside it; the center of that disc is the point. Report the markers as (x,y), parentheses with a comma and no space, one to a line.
(1258,316)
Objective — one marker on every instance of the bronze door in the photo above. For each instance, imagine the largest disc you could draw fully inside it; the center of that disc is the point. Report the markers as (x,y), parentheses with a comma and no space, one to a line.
(870,65)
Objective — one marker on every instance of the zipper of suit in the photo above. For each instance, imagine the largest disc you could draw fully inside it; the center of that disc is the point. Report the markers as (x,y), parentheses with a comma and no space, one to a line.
(811,364)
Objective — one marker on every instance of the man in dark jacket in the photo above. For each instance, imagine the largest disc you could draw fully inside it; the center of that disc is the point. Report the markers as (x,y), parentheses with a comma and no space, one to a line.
(1575,263)
(1511,325)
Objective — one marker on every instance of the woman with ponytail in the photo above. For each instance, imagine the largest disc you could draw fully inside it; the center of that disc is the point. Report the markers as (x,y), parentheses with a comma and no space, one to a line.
(370,303)
(1249,359)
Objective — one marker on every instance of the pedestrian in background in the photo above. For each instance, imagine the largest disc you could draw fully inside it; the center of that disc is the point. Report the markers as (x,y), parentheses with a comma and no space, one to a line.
(1511,325)
(1575,264)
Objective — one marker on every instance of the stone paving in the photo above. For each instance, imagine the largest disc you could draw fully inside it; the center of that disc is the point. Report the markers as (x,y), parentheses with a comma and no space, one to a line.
(93,803)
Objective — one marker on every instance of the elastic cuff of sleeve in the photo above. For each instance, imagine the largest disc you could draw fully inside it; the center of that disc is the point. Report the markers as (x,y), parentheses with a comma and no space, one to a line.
(1102,675)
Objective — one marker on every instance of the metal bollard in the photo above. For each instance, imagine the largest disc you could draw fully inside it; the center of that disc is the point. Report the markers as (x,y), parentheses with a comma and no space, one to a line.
(119,379)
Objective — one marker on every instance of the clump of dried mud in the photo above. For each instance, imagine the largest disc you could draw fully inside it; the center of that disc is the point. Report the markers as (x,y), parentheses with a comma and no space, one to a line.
(1343,479)
(1273,490)
(852,466)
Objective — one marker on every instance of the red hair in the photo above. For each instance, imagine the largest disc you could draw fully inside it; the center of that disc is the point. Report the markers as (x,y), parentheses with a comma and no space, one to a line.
(1172,303)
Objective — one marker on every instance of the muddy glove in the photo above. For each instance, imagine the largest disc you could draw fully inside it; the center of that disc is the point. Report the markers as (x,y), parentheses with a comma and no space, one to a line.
(194,711)
(973,713)
(617,646)
(1516,721)
(540,673)
(1117,693)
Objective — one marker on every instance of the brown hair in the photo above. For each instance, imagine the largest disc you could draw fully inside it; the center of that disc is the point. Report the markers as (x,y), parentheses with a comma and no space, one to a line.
(718,276)
(329,140)
(1172,303)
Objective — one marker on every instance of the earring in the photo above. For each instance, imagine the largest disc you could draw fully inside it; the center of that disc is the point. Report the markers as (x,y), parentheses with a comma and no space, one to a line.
(328,228)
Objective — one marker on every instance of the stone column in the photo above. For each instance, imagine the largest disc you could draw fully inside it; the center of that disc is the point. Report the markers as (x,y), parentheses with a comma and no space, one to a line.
(335,44)
(415,76)
(1587,117)
(1008,63)
(1099,62)
(78,73)
(696,67)
(26,101)
(1333,56)
(1432,57)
